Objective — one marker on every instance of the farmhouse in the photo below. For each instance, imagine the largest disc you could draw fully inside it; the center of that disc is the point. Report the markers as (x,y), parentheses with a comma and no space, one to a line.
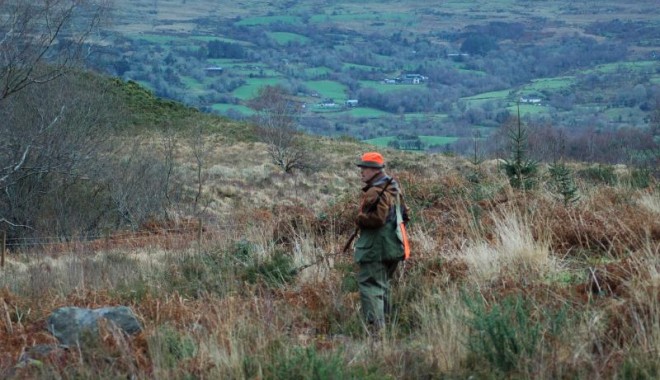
(530,100)
(328,103)
(214,70)
(351,103)
(407,79)
(413,79)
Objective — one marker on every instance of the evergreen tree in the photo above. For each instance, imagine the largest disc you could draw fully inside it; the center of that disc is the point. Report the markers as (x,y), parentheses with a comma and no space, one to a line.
(520,169)
(563,183)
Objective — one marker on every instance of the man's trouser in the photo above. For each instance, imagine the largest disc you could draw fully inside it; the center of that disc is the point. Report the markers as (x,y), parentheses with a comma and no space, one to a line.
(374,284)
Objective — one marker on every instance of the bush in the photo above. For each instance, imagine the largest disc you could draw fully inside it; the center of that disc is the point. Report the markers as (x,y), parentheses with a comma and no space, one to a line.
(640,179)
(599,174)
(210,271)
(275,271)
(307,363)
(169,347)
(508,334)
(639,366)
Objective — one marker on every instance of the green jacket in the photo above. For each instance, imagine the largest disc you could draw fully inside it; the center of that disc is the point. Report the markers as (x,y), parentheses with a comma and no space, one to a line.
(376,219)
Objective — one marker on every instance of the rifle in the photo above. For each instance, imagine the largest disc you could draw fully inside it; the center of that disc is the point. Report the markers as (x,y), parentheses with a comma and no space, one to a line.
(371,208)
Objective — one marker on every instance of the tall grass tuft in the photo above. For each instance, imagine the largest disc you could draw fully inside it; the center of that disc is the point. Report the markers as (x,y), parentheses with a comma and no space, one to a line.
(513,253)
(442,328)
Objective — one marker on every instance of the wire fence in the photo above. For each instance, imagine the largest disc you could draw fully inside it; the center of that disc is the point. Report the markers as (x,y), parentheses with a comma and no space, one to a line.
(180,236)
(127,235)
(168,238)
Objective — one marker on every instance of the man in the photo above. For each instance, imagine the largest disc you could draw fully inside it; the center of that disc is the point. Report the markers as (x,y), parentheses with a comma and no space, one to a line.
(379,249)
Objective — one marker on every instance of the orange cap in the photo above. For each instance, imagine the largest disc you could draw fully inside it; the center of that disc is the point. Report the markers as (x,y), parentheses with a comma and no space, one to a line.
(371,160)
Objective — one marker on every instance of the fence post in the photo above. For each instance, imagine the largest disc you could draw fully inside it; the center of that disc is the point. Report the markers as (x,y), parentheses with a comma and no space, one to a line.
(3,248)
(199,235)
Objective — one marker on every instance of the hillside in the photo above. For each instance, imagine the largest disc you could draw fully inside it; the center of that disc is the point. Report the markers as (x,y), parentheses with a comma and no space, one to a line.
(503,283)
(577,66)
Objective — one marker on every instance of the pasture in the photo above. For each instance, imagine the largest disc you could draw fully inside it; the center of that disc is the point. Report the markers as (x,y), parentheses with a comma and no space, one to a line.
(251,89)
(387,87)
(426,140)
(328,89)
(269,32)
(284,38)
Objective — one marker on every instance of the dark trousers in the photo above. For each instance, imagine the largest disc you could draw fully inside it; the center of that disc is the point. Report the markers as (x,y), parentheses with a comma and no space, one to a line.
(375,295)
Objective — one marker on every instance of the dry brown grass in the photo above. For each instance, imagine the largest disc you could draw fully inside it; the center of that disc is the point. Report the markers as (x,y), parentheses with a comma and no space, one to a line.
(597,261)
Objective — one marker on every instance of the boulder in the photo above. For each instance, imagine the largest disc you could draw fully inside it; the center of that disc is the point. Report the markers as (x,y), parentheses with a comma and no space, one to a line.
(69,324)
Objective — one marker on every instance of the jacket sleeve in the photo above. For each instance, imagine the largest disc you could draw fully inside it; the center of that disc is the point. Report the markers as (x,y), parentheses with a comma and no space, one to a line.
(372,215)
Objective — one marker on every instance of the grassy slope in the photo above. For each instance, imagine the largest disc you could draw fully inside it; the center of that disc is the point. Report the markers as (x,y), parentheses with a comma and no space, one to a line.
(516,282)
(148,112)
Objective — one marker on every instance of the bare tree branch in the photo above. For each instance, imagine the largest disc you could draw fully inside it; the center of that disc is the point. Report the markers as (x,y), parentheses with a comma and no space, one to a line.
(278,118)
(43,39)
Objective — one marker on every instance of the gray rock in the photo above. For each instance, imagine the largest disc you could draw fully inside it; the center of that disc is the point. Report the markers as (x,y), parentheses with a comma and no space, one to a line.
(70,324)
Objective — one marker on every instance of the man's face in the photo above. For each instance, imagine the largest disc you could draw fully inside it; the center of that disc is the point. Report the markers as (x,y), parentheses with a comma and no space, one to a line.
(367,173)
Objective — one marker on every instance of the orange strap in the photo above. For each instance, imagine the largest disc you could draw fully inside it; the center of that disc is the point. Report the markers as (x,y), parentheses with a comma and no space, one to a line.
(406,244)
(401,232)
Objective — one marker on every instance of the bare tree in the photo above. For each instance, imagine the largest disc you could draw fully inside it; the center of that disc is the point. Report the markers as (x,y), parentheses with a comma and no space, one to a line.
(53,137)
(42,39)
(278,118)
(50,124)
(136,185)
(200,151)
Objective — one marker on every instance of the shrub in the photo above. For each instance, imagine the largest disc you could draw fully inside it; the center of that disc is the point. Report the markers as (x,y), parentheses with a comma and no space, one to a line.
(639,367)
(563,183)
(275,271)
(307,363)
(169,347)
(640,179)
(599,174)
(211,271)
(508,334)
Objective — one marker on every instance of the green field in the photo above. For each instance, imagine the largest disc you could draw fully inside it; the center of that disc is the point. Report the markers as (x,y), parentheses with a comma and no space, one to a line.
(348,66)
(284,38)
(427,140)
(248,70)
(648,66)
(163,39)
(549,84)
(426,116)
(328,89)
(528,109)
(256,21)
(251,89)
(503,94)
(367,112)
(621,114)
(362,17)
(385,87)
(193,85)
(346,54)
(317,71)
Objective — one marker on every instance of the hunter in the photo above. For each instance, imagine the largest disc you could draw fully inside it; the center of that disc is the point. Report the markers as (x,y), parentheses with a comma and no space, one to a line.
(379,247)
